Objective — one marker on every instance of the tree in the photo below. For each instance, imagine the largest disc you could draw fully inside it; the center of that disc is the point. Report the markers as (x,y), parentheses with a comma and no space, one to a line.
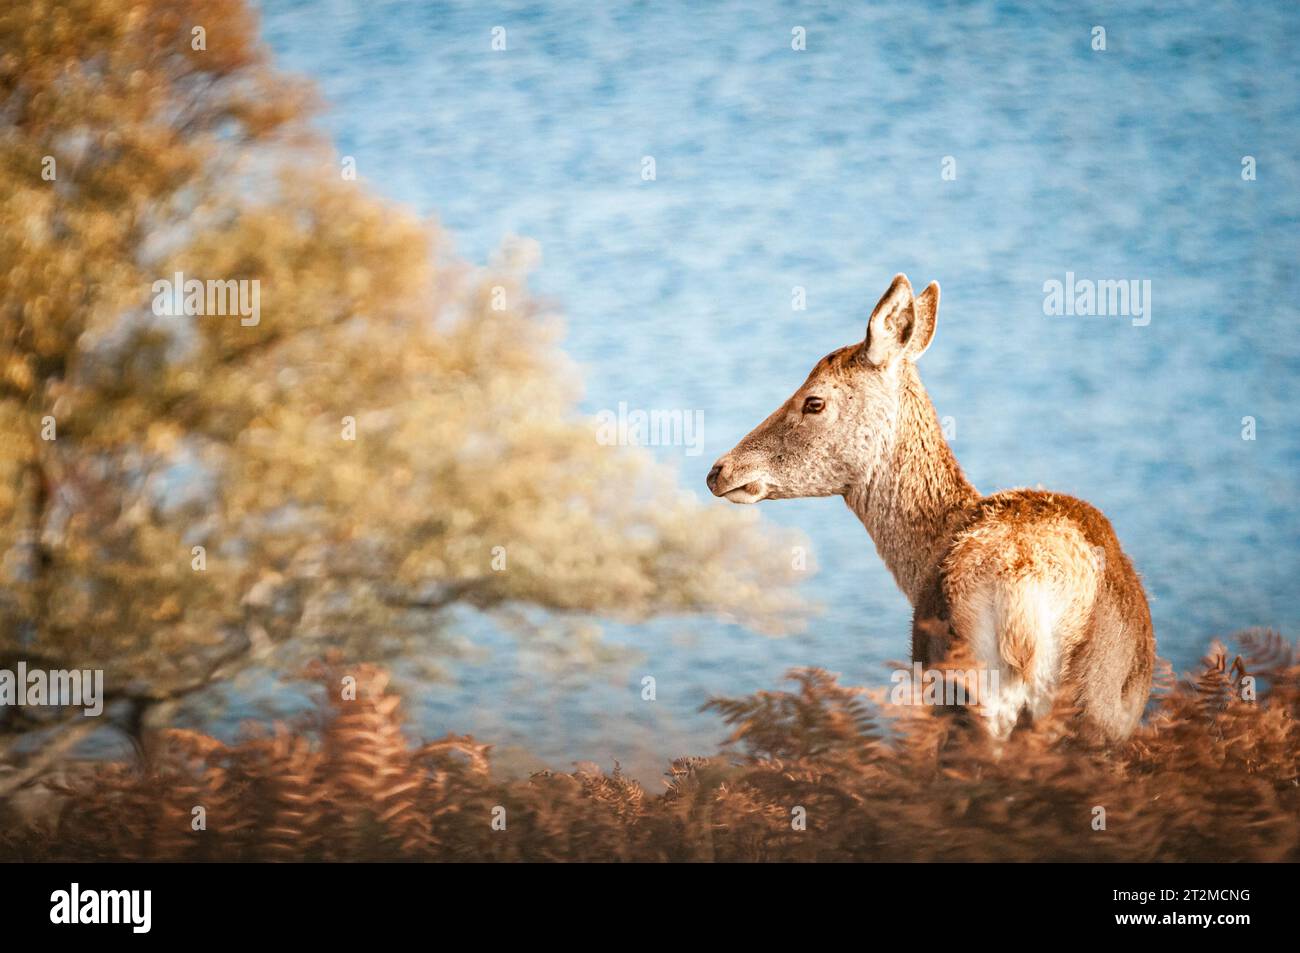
(185,494)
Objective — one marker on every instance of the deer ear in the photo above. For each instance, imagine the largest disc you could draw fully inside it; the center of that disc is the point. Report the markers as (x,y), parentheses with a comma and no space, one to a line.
(891,324)
(926,307)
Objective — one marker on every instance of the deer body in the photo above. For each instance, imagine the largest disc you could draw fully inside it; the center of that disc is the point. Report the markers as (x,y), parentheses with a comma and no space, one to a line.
(1030,584)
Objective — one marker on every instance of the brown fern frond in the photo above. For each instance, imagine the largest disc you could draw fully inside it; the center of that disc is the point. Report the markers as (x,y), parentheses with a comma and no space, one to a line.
(818,772)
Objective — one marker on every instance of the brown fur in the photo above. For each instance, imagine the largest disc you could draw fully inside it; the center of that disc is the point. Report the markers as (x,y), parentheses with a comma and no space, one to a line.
(1043,571)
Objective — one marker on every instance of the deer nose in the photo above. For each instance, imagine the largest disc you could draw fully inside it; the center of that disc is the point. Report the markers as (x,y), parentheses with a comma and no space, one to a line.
(712,478)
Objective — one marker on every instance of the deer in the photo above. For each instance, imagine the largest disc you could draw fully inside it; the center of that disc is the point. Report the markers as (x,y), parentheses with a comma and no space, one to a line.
(1031,585)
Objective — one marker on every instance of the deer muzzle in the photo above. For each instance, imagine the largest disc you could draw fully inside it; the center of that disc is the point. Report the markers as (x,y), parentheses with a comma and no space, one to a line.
(724,481)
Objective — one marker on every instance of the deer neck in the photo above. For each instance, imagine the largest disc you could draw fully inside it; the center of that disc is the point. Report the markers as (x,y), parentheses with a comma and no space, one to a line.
(914,501)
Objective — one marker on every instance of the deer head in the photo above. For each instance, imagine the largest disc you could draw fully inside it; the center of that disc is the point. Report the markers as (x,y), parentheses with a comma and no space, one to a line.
(835,430)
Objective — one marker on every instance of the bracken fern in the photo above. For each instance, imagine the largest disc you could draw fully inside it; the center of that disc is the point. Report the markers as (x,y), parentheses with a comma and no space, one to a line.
(1211,775)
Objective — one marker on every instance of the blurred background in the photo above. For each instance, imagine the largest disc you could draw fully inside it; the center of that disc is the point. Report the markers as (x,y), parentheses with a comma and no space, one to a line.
(775,169)
(822,170)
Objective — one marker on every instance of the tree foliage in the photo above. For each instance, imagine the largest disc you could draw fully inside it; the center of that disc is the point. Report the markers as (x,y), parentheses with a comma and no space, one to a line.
(128,438)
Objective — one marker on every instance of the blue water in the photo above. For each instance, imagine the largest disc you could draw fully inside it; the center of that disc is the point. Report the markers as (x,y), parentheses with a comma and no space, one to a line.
(821,169)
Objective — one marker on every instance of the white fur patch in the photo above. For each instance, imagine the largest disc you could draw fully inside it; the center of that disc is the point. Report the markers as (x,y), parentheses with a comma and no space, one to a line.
(1013,693)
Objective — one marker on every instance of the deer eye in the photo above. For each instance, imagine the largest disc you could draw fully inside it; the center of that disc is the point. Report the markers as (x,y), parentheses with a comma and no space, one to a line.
(813,405)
